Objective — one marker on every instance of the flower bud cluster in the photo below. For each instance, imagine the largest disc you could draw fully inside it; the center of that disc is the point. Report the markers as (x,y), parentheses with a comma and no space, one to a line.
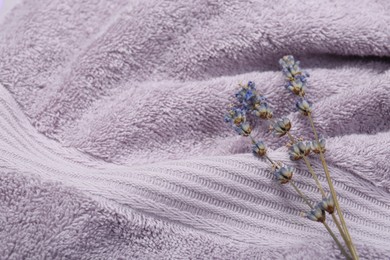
(284,174)
(296,82)
(296,78)
(281,127)
(299,150)
(318,212)
(248,102)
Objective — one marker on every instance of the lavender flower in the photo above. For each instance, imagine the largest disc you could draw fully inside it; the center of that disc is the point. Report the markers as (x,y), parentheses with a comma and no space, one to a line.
(248,97)
(263,111)
(294,75)
(298,150)
(241,95)
(316,214)
(304,106)
(235,116)
(297,86)
(251,85)
(318,147)
(259,149)
(327,204)
(284,174)
(281,127)
(243,129)
(250,101)
(290,67)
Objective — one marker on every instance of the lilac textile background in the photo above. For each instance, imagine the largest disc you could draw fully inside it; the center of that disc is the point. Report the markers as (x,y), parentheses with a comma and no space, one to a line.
(6,6)
(112,143)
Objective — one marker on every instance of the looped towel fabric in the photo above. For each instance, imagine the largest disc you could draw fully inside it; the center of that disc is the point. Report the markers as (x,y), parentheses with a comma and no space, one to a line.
(113,145)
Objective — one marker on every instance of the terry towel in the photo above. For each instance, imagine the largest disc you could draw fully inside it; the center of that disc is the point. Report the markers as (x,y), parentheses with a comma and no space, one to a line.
(113,145)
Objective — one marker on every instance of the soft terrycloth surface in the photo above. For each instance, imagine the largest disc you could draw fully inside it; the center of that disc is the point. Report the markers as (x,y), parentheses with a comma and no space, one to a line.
(112,140)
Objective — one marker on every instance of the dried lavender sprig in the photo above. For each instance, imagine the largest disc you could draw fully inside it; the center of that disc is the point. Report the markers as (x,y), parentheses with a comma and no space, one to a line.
(303,152)
(289,65)
(237,118)
(300,151)
(291,70)
(315,177)
(284,175)
(348,237)
(323,222)
(248,101)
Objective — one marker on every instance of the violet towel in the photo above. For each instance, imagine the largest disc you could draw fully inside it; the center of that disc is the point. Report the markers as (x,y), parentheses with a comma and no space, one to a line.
(112,143)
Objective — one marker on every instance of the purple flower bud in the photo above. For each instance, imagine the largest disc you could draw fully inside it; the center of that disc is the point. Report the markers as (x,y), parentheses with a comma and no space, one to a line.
(251,85)
(327,204)
(243,129)
(298,150)
(318,147)
(316,214)
(287,61)
(294,75)
(263,111)
(284,174)
(304,106)
(259,149)
(298,87)
(235,116)
(281,127)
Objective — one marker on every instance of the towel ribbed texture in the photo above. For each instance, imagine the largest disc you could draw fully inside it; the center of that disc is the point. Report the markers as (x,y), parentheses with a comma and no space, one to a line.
(113,145)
